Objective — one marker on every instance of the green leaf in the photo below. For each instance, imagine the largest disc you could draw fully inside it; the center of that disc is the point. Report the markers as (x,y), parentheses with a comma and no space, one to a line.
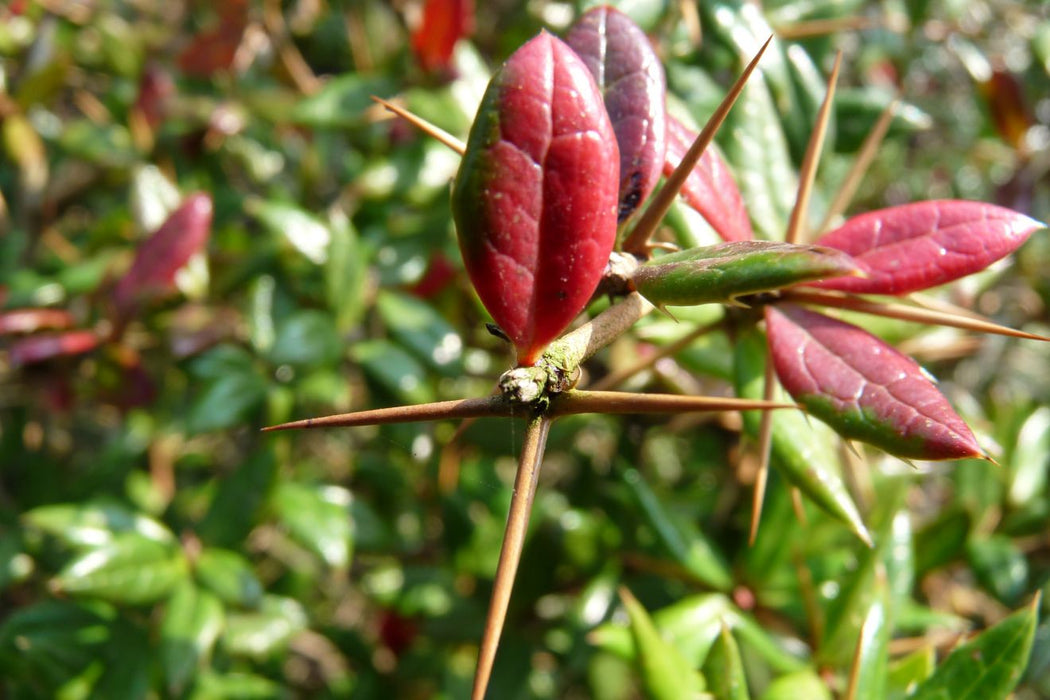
(236,507)
(665,673)
(941,541)
(244,686)
(304,231)
(341,102)
(416,325)
(226,402)
(988,666)
(192,623)
(688,546)
(94,524)
(318,517)
(802,449)
(907,673)
(129,569)
(793,686)
(266,632)
(1001,567)
(306,338)
(394,369)
(724,669)
(228,575)
(724,273)
(51,641)
(345,274)
(871,657)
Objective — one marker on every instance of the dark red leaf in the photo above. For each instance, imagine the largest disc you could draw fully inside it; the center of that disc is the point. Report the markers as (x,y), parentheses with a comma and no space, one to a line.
(38,348)
(155,91)
(535,198)
(631,78)
(161,255)
(1008,107)
(214,49)
(921,245)
(444,23)
(30,320)
(439,274)
(710,188)
(863,388)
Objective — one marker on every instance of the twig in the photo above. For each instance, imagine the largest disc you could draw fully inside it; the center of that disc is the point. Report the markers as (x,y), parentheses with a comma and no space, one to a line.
(510,553)
(440,410)
(423,125)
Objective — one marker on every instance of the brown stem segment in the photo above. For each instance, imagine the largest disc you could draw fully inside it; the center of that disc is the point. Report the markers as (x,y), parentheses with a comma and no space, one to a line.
(765,444)
(620,402)
(513,542)
(440,410)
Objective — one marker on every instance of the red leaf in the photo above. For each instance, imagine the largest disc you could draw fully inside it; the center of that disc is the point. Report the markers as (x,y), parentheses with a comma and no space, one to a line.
(629,74)
(863,388)
(925,244)
(161,255)
(29,320)
(214,49)
(444,23)
(710,188)
(38,348)
(535,198)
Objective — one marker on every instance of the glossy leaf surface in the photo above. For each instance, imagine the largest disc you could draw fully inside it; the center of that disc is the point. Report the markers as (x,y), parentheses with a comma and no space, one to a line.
(444,23)
(802,454)
(38,348)
(710,187)
(158,259)
(723,273)
(631,79)
(925,244)
(863,388)
(987,666)
(665,673)
(535,198)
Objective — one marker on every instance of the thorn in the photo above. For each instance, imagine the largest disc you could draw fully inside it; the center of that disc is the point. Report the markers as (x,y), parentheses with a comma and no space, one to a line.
(637,240)
(765,443)
(811,160)
(423,125)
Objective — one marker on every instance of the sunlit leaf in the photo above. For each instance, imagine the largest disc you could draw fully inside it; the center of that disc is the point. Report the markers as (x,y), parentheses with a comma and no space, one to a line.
(265,632)
(130,569)
(864,388)
(724,669)
(318,517)
(665,673)
(805,456)
(444,23)
(229,576)
(89,525)
(724,273)
(160,257)
(631,79)
(925,244)
(192,622)
(710,187)
(39,348)
(535,197)
(987,666)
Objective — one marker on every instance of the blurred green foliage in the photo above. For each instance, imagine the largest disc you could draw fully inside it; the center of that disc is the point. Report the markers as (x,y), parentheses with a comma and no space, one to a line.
(154,544)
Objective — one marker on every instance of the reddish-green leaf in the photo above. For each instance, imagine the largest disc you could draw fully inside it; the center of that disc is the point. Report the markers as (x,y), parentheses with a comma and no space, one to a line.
(163,254)
(921,245)
(864,388)
(535,198)
(722,273)
(630,76)
(710,188)
(38,348)
(444,23)
(30,320)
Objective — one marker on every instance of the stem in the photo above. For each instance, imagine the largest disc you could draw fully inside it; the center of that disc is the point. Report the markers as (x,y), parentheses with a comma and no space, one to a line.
(638,240)
(765,443)
(440,410)
(811,159)
(513,542)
